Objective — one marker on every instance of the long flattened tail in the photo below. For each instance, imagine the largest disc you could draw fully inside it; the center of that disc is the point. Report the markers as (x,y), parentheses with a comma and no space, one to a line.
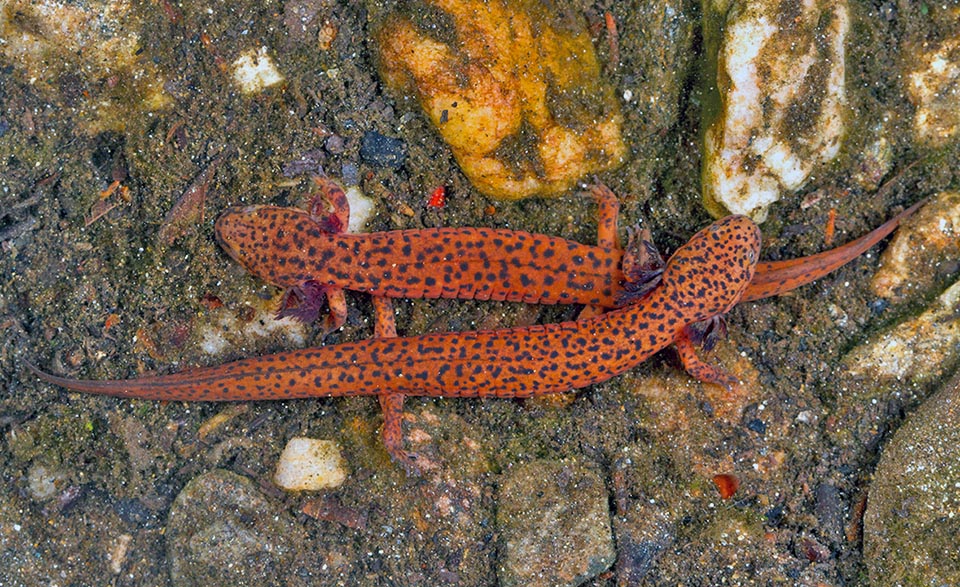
(773,278)
(255,378)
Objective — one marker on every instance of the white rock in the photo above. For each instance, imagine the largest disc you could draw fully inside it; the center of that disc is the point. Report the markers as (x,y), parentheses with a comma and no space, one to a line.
(916,350)
(227,329)
(103,32)
(361,208)
(935,89)
(309,464)
(782,103)
(923,250)
(44,482)
(96,40)
(255,70)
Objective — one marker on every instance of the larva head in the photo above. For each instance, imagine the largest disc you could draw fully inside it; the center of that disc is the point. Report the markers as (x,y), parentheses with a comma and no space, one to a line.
(268,241)
(707,276)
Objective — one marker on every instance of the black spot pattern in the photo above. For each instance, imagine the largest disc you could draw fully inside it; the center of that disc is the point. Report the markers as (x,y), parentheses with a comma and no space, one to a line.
(705,277)
(287,247)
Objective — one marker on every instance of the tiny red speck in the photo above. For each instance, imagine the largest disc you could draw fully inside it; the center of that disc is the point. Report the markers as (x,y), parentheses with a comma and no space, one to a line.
(438,198)
(210,301)
(831,228)
(727,485)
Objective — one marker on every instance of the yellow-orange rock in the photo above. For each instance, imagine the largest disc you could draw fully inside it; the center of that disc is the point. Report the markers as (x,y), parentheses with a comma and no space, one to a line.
(514,89)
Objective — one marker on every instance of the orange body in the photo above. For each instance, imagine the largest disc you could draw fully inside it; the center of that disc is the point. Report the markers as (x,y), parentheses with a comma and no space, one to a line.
(514,362)
(289,247)
(286,247)
(704,279)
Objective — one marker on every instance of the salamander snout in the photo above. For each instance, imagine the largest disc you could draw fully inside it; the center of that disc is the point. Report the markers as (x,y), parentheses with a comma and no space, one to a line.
(233,229)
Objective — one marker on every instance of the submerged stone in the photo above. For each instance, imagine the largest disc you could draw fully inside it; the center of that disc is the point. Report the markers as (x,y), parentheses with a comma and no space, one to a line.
(512,86)
(924,250)
(310,464)
(255,70)
(94,46)
(920,349)
(934,88)
(382,151)
(912,520)
(554,521)
(222,531)
(778,110)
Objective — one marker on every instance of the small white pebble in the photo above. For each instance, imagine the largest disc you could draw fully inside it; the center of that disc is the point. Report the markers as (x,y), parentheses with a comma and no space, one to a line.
(254,70)
(118,554)
(361,208)
(309,464)
(43,482)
